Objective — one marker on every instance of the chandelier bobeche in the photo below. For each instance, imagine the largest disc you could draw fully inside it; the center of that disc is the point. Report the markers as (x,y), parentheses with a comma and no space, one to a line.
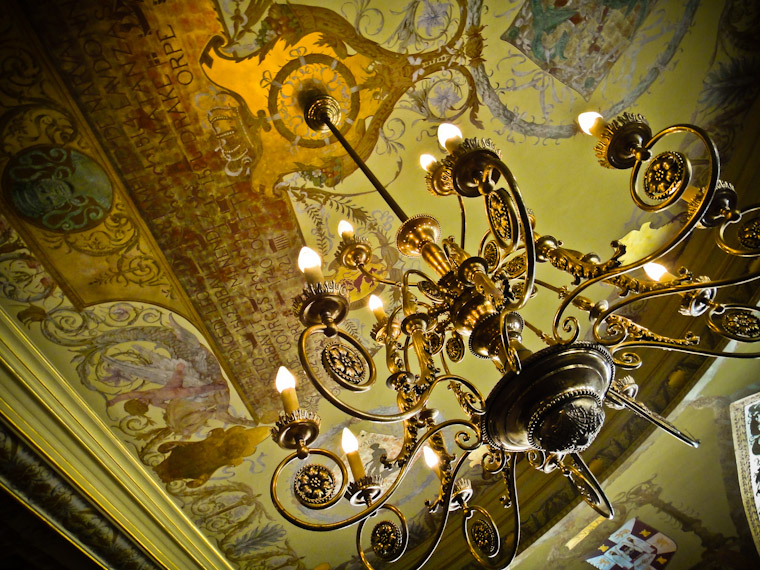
(548,405)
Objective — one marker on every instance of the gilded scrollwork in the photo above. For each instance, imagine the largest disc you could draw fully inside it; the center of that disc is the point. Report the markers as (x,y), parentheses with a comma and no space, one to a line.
(621,328)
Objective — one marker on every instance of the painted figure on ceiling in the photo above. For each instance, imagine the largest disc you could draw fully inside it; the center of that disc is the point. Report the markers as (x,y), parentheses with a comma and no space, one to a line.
(196,461)
(189,383)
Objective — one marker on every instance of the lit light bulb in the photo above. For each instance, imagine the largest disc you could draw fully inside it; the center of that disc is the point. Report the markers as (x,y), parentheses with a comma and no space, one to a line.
(432,460)
(431,457)
(351,448)
(285,383)
(657,272)
(376,306)
(449,136)
(310,264)
(349,443)
(427,161)
(592,123)
(345,230)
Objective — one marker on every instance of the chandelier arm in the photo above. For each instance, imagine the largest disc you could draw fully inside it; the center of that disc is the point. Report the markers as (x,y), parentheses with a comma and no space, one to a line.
(376,277)
(643,411)
(335,401)
(631,361)
(446,498)
(463,223)
(506,560)
(721,240)
(401,547)
(589,488)
(465,401)
(680,288)
(714,164)
(379,501)
(682,234)
(321,506)
(528,237)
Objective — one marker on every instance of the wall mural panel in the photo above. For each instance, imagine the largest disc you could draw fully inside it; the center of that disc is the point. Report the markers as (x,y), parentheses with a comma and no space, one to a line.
(158,181)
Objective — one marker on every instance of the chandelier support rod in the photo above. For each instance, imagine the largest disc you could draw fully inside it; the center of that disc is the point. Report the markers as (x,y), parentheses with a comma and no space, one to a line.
(322,110)
(365,169)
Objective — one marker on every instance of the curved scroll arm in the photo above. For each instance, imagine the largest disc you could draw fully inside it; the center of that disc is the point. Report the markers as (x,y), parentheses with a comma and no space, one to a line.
(682,288)
(530,243)
(620,399)
(379,501)
(494,561)
(361,414)
(723,243)
(403,542)
(682,233)
(589,488)
(631,361)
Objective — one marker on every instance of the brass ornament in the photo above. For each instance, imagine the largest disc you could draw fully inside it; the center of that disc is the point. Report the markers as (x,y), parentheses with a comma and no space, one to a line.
(502,218)
(364,491)
(516,266)
(313,484)
(296,430)
(484,537)
(354,252)
(491,254)
(749,233)
(458,172)
(667,176)
(430,290)
(386,540)
(343,362)
(433,342)
(622,136)
(326,302)
(741,323)
(540,409)
(455,348)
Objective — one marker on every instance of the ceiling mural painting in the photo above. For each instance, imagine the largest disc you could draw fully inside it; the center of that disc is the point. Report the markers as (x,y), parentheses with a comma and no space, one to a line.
(158,180)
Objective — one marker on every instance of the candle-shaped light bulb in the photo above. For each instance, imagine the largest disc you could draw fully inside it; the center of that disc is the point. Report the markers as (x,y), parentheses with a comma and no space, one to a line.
(351,448)
(345,230)
(311,264)
(592,123)
(376,306)
(658,272)
(431,457)
(427,161)
(432,460)
(449,136)
(285,383)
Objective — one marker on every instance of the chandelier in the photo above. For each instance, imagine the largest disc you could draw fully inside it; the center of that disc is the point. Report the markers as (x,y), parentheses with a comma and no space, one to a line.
(548,405)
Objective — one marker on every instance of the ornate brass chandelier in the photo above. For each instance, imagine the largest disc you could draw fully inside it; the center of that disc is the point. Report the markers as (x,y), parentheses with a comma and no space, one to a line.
(548,405)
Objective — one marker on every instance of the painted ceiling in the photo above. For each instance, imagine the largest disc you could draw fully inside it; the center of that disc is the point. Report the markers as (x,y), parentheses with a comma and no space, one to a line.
(158,181)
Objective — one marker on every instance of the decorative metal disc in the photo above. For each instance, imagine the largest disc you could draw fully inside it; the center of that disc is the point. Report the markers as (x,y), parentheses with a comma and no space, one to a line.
(502,218)
(667,175)
(455,348)
(313,484)
(749,233)
(484,537)
(344,362)
(434,342)
(742,324)
(386,540)
(430,290)
(516,266)
(491,254)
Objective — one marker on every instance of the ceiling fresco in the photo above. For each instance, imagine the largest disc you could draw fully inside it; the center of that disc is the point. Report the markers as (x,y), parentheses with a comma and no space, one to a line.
(158,181)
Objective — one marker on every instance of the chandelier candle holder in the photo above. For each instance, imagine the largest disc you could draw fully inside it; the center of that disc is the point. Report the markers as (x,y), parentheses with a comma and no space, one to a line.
(547,406)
